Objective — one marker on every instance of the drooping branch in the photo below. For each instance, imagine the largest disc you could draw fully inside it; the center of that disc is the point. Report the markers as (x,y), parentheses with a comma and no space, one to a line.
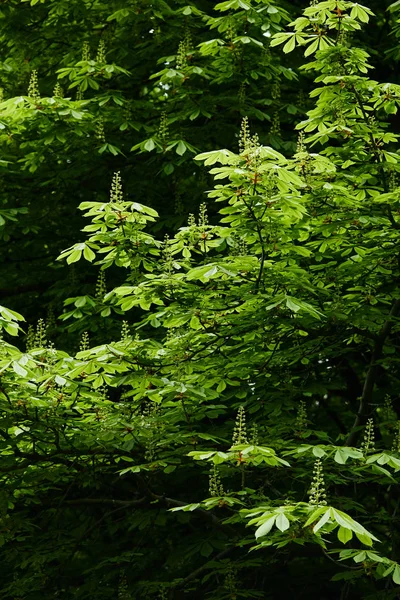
(106,502)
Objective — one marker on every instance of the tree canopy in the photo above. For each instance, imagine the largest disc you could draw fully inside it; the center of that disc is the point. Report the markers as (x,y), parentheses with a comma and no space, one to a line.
(200,312)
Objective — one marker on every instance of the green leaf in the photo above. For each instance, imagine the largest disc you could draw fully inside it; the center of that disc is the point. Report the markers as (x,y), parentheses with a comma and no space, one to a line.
(149,145)
(81,301)
(360,557)
(346,521)
(318,452)
(315,515)
(323,520)
(342,454)
(292,305)
(221,386)
(364,539)
(282,522)
(11,328)
(181,148)
(19,369)
(266,527)
(396,575)
(290,44)
(344,535)
(312,47)
(89,254)
(74,256)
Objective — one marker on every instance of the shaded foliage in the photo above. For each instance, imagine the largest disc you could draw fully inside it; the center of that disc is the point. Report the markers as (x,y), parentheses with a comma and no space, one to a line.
(204,403)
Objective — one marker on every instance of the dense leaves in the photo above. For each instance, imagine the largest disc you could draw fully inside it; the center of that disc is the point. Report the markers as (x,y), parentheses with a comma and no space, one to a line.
(204,401)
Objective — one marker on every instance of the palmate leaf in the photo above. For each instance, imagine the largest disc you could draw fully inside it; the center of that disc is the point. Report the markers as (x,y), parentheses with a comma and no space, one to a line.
(385,459)
(347,525)
(342,455)
(224,157)
(9,321)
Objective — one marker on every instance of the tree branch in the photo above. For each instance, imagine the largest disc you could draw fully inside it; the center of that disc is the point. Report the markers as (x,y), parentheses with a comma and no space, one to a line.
(106,502)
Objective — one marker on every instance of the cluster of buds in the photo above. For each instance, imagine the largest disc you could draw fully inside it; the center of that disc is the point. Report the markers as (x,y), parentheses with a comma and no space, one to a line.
(254,434)
(248,143)
(339,114)
(276,90)
(178,204)
(40,334)
(368,443)
(151,422)
(100,134)
(123,590)
(275,124)
(231,32)
(393,181)
(203,216)
(33,88)
(242,93)
(184,49)
(100,414)
(343,38)
(244,135)
(235,49)
(317,495)
(50,318)
(102,391)
(125,331)
(191,220)
(239,248)
(301,418)
(396,439)
(86,51)
(215,487)
(127,112)
(230,583)
(337,68)
(301,100)
(181,59)
(167,255)
(163,595)
(150,449)
(101,52)
(150,409)
(84,344)
(101,286)
(242,248)
(52,353)
(58,92)
(163,130)
(388,413)
(300,143)
(240,430)
(116,194)
(30,338)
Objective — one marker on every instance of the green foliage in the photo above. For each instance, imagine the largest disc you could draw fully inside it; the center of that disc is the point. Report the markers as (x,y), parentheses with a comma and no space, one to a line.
(209,408)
